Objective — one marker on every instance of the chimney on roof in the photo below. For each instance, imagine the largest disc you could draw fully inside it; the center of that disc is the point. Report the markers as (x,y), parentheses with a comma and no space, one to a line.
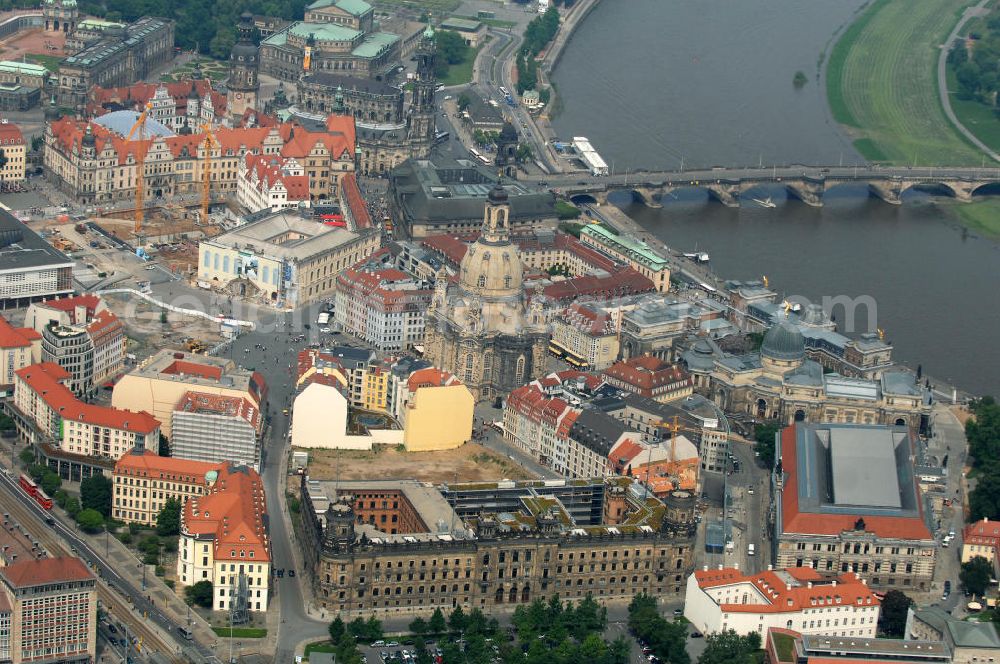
(770,568)
(809,584)
(834,583)
(704,568)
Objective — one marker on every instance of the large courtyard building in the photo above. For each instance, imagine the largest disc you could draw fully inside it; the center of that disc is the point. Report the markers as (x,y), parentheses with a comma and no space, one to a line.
(336,36)
(635,253)
(184,103)
(160,383)
(847,501)
(445,195)
(403,547)
(782,382)
(30,268)
(121,55)
(285,259)
(92,162)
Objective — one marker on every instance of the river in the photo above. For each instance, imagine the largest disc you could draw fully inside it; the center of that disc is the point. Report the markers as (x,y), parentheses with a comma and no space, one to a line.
(710,83)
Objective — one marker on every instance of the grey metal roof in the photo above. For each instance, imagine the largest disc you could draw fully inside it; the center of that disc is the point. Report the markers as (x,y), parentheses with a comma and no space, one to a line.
(446,190)
(784,341)
(22,248)
(121,122)
(350,83)
(864,467)
(838,474)
(596,430)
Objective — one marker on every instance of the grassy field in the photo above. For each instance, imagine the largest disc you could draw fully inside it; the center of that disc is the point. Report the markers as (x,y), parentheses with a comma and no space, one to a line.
(50,62)
(881,84)
(978,118)
(462,72)
(981,216)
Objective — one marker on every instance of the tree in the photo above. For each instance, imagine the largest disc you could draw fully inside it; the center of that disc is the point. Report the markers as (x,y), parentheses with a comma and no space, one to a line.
(73,506)
(27,456)
(199,594)
(523,153)
(566,210)
(50,483)
(337,629)
(893,617)
(984,499)
(764,434)
(730,647)
(168,521)
(667,639)
(464,101)
(976,574)
(90,520)
(96,492)
(983,430)
(457,621)
(418,626)
(437,623)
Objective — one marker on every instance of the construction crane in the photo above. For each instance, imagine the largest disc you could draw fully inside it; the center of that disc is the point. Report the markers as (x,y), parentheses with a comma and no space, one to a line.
(140,166)
(206,171)
(674,427)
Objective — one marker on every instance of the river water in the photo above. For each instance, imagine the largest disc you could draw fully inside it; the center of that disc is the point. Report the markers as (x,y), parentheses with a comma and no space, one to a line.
(710,82)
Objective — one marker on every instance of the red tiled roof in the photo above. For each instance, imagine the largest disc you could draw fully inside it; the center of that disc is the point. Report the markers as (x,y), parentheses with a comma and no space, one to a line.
(795,521)
(783,597)
(233,512)
(102,322)
(449,246)
(982,533)
(268,170)
(135,96)
(430,377)
(625,281)
(646,374)
(44,380)
(145,463)
(10,134)
(622,454)
(69,305)
(43,571)
(179,367)
(218,404)
(16,337)
(352,194)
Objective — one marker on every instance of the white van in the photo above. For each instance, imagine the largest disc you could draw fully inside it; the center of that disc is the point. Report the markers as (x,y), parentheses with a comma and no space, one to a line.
(751,549)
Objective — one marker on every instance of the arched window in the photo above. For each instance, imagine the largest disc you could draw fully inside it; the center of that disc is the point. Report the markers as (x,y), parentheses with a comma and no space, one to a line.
(519,371)
(468,367)
(482,281)
(506,281)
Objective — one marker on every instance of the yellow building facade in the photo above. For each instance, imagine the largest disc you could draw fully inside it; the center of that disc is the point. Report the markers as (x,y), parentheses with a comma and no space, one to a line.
(437,413)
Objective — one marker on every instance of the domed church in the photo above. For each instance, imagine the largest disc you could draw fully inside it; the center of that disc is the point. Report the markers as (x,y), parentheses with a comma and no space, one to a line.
(481,329)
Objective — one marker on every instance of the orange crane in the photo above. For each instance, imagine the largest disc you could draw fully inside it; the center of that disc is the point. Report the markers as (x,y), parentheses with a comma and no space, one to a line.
(140,166)
(206,171)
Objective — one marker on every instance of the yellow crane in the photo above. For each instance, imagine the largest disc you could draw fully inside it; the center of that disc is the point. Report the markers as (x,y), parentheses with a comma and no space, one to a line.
(206,171)
(140,166)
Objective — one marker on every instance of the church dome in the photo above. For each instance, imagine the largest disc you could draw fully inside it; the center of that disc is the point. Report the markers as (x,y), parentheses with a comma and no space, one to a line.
(783,342)
(491,270)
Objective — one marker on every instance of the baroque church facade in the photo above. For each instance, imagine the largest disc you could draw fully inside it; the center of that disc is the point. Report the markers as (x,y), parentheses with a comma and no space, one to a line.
(481,329)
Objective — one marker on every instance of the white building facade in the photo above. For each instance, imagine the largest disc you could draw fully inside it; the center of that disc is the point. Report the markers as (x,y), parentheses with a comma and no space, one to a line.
(795,598)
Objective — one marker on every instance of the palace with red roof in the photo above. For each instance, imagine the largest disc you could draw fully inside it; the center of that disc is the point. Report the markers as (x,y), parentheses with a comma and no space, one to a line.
(797,598)
(73,146)
(847,500)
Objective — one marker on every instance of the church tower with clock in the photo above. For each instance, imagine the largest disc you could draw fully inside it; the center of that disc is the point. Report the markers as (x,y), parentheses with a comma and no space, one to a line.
(244,68)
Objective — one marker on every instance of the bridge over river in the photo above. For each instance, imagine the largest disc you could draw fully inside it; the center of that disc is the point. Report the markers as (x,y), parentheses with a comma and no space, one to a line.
(805,183)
